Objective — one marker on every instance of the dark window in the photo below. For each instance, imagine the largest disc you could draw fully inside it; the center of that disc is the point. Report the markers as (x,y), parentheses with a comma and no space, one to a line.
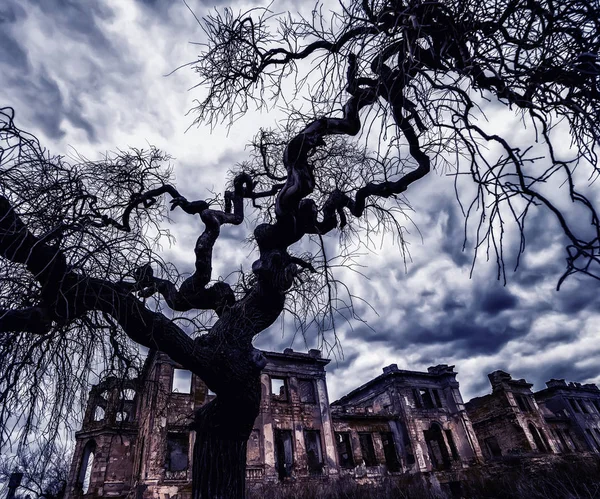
(523,403)
(279,389)
(182,381)
(596,405)
(597,437)
(436,397)
(438,452)
(572,440)
(344,450)
(314,456)
(284,453)
(491,444)
(177,451)
(417,397)
(563,442)
(389,450)
(306,389)
(367,449)
(583,406)
(594,445)
(574,405)
(426,398)
(408,452)
(452,445)
(538,439)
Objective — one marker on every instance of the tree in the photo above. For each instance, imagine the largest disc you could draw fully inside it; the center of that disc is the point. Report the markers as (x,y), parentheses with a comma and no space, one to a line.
(407,79)
(44,473)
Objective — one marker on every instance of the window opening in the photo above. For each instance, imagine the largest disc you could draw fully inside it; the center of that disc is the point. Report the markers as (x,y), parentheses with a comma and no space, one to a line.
(128,394)
(306,389)
(182,381)
(426,398)
(453,449)
(563,441)
(279,389)
(572,440)
(389,451)
(523,403)
(537,438)
(284,453)
(85,469)
(178,445)
(492,446)
(99,413)
(594,445)
(314,455)
(438,452)
(574,406)
(344,450)
(122,416)
(417,397)
(583,406)
(408,451)
(367,449)
(436,397)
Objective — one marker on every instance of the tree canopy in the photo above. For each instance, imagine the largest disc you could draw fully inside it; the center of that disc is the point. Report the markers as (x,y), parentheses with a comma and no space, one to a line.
(396,91)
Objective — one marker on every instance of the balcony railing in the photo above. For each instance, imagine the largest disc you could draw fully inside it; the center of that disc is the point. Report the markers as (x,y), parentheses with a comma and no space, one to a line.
(255,473)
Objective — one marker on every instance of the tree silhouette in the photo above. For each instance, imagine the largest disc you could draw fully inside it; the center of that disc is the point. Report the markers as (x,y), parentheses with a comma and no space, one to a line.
(407,80)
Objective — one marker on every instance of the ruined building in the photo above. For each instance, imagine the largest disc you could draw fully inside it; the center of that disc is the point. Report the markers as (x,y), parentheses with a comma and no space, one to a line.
(136,440)
(572,412)
(513,420)
(410,421)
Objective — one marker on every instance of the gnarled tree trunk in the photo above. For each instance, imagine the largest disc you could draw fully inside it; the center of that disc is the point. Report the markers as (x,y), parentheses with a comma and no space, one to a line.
(223,427)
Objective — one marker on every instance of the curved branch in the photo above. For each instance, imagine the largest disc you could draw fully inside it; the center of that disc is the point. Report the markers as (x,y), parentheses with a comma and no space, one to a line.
(28,320)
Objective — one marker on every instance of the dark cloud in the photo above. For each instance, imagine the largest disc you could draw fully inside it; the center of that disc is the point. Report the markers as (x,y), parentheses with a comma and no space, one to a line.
(496,300)
(34,92)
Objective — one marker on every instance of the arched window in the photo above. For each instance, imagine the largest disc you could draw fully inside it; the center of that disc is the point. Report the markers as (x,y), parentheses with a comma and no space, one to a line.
(538,439)
(85,469)
(128,394)
(98,413)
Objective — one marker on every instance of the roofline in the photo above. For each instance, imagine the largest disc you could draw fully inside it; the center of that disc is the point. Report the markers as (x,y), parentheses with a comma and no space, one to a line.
(396,373)
(300,356)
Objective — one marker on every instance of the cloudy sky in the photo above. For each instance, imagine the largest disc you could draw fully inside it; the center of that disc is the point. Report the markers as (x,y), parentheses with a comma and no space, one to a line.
(90,76)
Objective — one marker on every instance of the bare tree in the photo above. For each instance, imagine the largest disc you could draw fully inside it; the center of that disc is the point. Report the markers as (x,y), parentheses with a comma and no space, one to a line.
(407,78)
(44,471)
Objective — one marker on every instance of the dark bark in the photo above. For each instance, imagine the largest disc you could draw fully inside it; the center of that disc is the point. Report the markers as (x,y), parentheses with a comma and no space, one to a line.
(223,427)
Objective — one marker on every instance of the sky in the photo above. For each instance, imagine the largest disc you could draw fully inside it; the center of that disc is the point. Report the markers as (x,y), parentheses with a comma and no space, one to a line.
(91,76)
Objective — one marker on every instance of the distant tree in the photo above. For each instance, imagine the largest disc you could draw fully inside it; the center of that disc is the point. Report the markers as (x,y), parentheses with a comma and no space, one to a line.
(80,278)
(45,471)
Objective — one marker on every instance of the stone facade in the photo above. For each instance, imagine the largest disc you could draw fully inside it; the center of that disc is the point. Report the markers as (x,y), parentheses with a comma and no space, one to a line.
(135,440)
(509,421)
(572,412)
(405,421)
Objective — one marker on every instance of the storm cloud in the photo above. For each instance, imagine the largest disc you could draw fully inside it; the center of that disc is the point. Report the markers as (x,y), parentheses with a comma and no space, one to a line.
(91,76)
